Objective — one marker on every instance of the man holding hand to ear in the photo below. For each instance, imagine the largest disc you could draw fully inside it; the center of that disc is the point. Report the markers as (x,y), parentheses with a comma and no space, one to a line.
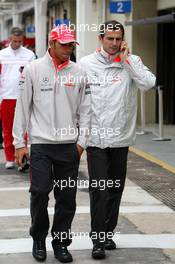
(115,76)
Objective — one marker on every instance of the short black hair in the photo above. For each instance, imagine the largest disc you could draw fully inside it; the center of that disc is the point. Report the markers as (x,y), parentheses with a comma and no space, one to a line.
(111,25)
(16,31)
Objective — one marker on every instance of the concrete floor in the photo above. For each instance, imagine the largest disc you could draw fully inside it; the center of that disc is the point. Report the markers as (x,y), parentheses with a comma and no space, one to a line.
(145,232)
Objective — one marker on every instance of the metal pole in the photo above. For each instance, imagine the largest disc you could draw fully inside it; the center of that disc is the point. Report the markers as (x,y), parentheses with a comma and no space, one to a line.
(142,106)
(160,94)
(160,100)
(143,111)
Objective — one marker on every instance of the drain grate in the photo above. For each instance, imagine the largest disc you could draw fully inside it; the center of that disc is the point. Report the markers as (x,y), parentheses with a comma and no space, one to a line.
(152,178)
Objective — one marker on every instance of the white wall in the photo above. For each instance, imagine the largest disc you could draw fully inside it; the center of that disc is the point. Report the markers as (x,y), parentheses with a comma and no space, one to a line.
(90,13)
(164,4)
(144,45)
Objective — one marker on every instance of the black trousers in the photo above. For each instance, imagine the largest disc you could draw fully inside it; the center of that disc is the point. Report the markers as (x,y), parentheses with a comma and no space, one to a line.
(107,172)
(53,166)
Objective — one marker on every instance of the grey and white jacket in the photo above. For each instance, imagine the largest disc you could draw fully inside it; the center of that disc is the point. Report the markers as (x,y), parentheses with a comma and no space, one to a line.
(114,86)
(51,103)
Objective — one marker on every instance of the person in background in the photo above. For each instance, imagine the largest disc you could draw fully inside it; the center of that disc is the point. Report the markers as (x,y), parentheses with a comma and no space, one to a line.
(1,137)
(12,59)
(115,76)
(54,96)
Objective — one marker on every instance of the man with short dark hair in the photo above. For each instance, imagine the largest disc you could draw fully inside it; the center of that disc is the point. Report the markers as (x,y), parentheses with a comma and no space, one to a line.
(111,25)
(53,98)
(115,76)
(12,59)
(16,31)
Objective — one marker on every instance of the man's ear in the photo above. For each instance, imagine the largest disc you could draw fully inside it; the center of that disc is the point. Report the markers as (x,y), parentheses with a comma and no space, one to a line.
(99,38)
(50,43)
(53,44)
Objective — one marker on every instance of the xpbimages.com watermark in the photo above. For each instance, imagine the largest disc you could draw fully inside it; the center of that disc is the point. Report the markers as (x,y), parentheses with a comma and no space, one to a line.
(102,132)
(86,184)
(74,80)
(86,27)
(102,236)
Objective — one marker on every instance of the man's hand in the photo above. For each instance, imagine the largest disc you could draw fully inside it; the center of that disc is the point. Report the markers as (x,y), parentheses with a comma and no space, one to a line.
(124,50)
(19,154)
(80,150)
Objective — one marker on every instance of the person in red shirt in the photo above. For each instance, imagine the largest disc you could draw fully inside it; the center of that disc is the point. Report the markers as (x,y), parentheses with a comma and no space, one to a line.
(12,59)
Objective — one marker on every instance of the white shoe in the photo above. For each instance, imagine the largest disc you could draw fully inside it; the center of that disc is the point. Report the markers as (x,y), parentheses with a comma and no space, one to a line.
(9,165)
(19,168)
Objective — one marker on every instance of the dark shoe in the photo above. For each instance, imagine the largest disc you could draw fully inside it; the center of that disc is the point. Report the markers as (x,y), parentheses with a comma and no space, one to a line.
(62,254)
(98,251)
(39,250)
(110,244)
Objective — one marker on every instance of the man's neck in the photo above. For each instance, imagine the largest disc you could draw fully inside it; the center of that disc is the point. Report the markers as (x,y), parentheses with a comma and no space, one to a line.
(107,56)
(56,60)
(14,49)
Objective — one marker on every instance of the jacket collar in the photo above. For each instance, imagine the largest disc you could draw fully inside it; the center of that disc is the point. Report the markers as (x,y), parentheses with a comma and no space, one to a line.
(108,59)
(60,67)
(14,51)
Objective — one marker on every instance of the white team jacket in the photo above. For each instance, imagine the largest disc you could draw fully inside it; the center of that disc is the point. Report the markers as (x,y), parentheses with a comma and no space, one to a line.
(10,63)
(50,104)
(114,86)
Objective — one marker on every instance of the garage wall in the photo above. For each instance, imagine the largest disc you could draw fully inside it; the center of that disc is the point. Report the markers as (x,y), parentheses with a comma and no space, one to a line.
(164,4)
(144,44)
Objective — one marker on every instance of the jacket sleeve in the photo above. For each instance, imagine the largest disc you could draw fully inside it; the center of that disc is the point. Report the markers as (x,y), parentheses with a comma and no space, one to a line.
(84,112)
(23,108)
(140,74)
(33,57)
